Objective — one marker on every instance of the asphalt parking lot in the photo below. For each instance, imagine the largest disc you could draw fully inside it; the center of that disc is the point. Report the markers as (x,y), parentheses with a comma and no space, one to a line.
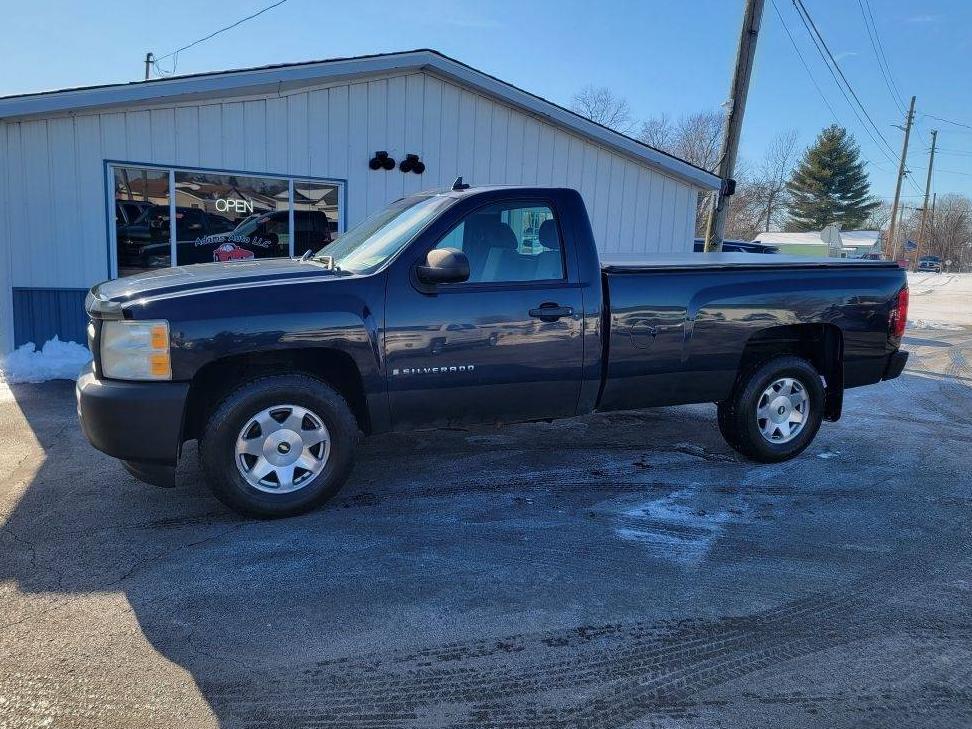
(623,570)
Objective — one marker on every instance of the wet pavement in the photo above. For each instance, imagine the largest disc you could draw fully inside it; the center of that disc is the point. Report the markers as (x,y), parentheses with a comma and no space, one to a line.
(615,570)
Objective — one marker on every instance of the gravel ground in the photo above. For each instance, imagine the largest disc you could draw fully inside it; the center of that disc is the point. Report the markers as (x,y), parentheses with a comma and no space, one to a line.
(623,570)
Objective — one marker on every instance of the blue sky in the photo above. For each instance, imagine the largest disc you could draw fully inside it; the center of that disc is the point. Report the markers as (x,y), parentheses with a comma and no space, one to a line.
(663,56)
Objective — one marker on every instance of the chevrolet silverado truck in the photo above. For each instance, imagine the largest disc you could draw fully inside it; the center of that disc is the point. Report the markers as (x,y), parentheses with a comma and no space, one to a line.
(472,305)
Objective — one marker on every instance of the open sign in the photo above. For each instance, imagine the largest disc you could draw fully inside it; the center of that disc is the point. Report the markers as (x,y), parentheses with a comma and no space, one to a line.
(224,205)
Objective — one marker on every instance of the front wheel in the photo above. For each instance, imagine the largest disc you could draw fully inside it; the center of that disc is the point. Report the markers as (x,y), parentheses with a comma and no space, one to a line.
(278,446)
(775,411)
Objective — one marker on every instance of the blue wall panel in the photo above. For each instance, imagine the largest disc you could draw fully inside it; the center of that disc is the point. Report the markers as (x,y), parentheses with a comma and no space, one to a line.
(39,314)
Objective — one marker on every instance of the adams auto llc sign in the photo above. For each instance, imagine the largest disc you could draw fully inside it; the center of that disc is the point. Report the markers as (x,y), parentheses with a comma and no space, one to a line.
(231,205)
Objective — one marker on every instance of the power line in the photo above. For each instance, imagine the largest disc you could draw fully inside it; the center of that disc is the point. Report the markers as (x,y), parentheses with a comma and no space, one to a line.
(956,172)
(822,49)
(883,63)
(804,62)
(948,121)
(877,55)
(894,159)
(957,152)
(884,56)
(175,54)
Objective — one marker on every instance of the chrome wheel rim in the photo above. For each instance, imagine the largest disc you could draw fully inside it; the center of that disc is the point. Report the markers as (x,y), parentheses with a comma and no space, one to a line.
(782,410)
(282,449)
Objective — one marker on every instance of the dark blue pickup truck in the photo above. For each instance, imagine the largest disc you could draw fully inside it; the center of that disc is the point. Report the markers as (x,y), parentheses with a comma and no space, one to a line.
(467,306)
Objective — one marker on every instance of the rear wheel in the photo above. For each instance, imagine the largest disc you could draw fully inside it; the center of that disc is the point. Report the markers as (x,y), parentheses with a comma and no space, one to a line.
(775,410)
(278,446)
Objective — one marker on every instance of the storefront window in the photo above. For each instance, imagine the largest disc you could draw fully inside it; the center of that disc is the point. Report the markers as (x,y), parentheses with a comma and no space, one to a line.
(141,219)
(230,217)
(219,217)
(315,215)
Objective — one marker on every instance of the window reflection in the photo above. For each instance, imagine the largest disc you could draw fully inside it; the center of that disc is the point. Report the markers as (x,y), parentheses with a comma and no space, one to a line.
(315,215)
(141,219)
(219,217)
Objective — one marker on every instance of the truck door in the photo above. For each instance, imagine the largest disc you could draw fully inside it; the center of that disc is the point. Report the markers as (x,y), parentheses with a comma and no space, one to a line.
(503,346)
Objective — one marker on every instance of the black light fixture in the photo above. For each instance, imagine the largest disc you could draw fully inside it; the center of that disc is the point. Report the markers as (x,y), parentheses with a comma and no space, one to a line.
(412,163)
(381,160)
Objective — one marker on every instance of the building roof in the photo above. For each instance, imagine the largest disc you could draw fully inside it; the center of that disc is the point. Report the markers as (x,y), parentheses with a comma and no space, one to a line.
(860,237)
(284,77)
(782,239)
(847,238)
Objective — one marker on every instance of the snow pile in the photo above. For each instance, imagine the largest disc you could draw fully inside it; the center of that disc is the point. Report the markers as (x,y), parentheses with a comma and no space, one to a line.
(940,300)
(56,360)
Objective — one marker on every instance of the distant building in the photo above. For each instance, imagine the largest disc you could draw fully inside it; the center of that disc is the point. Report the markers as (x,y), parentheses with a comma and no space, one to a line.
(849,243)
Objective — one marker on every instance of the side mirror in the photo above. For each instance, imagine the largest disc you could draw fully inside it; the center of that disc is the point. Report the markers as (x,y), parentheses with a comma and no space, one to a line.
(443,265)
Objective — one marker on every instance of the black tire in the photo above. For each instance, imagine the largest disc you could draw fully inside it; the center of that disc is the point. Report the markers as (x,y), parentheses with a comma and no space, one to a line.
(726,426)
(217,446)
(737,416)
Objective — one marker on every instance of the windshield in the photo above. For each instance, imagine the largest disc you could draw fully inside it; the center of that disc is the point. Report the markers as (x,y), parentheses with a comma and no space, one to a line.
(368,245)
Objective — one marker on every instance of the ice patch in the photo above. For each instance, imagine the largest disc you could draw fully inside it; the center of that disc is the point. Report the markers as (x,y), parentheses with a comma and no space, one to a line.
(942,326)
(828,454)
(56,360)
(680,529)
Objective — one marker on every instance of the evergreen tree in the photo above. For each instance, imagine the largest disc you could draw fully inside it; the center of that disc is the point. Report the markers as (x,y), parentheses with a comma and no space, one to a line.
(830,185)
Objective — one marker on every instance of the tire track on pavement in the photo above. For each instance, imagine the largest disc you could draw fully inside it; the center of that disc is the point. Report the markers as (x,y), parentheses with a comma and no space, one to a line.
(614,674)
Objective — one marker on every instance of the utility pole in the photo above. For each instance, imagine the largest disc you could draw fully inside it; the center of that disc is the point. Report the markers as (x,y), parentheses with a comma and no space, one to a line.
(716,227)
(900,227)
(924,211)
(148,66)
(901,174)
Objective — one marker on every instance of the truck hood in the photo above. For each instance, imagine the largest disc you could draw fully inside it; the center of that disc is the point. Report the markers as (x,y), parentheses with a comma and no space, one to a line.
(205,276)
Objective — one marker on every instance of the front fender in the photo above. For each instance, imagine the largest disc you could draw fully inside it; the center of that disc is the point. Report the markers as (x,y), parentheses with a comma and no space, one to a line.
(339,314)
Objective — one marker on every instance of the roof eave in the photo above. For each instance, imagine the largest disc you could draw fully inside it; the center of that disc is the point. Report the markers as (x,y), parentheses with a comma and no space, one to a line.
(275,79)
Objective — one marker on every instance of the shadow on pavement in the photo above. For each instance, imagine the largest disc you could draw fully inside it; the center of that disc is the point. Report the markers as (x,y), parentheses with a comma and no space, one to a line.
(596,572)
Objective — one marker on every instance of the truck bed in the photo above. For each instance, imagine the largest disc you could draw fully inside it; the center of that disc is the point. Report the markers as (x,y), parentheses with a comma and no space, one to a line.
(680,336)
(621,263)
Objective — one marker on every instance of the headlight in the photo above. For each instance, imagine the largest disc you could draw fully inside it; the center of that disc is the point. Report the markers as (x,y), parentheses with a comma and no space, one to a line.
(136,350)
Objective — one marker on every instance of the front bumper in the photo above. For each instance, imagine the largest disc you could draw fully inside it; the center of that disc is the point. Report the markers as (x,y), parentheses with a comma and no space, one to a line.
(896,363)
(137,422)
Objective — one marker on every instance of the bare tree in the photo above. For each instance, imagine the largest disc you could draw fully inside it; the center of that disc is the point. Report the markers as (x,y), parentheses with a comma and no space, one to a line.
(949,231)
(601,105)
(879,217)
(769,185)
(696,138)
(744,219)
(699,138)
(658,132)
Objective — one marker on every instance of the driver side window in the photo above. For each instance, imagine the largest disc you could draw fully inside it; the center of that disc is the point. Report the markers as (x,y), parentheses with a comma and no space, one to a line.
(507,242)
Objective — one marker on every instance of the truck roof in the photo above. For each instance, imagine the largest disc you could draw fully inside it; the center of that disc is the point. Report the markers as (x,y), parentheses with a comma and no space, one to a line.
(629,263)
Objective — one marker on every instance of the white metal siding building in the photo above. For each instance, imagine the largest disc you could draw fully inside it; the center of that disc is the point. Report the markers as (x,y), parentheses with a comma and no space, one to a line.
(294,137)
